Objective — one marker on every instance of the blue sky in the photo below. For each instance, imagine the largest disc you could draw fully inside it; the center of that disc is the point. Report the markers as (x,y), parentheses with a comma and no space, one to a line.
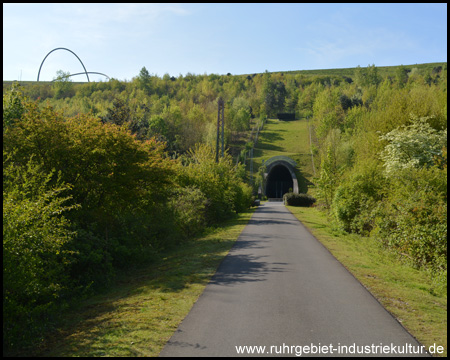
(120,39)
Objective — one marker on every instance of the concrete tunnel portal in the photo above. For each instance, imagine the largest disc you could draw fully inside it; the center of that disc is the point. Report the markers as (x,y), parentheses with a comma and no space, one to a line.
(280,177)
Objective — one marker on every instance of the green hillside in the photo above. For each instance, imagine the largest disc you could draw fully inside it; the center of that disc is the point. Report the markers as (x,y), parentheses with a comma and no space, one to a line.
(288,138)
(383,70)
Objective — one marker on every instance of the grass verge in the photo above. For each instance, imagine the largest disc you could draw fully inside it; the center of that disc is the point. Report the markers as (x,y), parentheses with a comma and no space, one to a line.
(407,293)
(139,314)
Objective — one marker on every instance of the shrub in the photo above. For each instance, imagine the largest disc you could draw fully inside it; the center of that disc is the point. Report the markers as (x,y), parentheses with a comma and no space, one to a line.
(35,258)
(303,200)
(13,105)
(189,206)
(356,199)
(243,196)
(413,220)
(220,182)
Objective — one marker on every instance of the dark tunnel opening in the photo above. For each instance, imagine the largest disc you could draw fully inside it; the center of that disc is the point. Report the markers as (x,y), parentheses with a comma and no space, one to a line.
(279,181)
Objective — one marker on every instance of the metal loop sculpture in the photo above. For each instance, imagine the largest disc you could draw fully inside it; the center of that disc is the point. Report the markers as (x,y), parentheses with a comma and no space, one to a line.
(89,72)
(85,71)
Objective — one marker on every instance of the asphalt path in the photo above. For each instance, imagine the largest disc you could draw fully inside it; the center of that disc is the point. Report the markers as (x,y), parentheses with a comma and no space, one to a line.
(281,290)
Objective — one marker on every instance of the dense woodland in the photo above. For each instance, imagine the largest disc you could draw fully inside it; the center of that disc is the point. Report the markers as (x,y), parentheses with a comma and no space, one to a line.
(100,177)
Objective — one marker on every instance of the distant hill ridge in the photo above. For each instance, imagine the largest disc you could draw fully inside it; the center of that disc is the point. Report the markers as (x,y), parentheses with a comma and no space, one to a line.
(382,70)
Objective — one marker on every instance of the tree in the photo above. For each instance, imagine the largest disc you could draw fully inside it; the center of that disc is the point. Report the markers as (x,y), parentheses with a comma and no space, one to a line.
(62,85)
(372,75)
(144,80)
(13,106)
(242,119)
(360,76)
(274,95)
(291,102)
(157,128)
(240,114)
(328,112)
(401,76)
(345,101)
(367,77)
(328,180)
(118,114)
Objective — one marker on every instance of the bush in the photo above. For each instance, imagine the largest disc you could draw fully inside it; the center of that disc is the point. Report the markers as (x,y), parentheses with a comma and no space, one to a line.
(243,197)
(35,258)
(303,200)
(220,182)
(356,199)
(413,220)
(13,106)
(189,206)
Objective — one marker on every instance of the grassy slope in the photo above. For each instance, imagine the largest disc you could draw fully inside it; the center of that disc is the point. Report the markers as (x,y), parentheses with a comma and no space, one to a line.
(382,70)
(289,138)
(405,292)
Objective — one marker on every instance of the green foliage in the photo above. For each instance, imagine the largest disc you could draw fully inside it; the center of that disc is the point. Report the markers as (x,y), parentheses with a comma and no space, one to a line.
(118,114)
(306,99)
(354,117)
(189,204)
(157,127)
(395,204)
(328,112)
(413,220)
(144,80)
(62,85)
(224,190)
(243,193)
(274,95)
(412,146)
(115,178)
(329,176)
(240,115)
(303,200)
(401,76)
(13,106)
(36,258)
(367,77)
(356,199)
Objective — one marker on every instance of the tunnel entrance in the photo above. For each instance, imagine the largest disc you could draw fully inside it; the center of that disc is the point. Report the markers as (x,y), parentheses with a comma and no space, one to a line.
(279,181)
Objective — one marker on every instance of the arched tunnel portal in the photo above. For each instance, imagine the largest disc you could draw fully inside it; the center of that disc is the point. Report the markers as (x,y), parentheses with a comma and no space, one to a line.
(279,179)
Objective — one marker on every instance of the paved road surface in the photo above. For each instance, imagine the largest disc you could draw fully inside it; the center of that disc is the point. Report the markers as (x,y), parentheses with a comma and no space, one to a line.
(280,288)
